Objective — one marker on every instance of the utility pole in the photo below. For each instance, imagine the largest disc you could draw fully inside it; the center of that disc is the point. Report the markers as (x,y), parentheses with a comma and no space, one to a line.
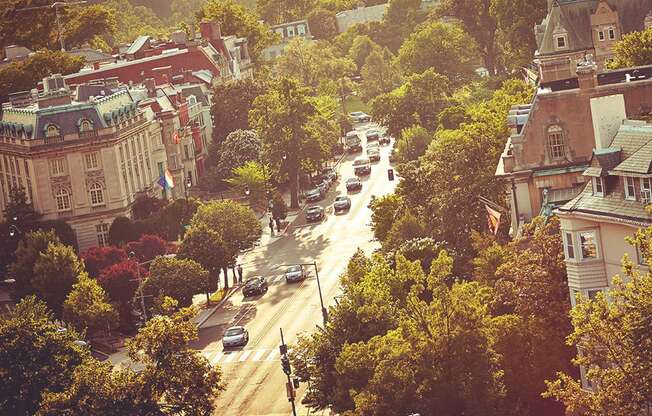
(57,15)
(285,364)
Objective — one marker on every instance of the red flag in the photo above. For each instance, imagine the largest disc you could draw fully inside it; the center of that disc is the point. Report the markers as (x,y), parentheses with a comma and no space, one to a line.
(493,219)
(175,137)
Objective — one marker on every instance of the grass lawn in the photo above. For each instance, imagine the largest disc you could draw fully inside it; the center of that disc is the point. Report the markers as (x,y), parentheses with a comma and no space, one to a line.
(354,103)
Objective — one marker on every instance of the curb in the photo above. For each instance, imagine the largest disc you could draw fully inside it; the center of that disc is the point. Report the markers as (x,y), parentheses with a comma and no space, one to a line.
(226,297)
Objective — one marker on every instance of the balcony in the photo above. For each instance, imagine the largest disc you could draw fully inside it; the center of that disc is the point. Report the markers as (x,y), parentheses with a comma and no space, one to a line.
(53,140)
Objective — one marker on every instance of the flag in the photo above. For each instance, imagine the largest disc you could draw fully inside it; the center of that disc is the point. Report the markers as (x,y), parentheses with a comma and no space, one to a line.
(175,137)
(166,181)
(493,219)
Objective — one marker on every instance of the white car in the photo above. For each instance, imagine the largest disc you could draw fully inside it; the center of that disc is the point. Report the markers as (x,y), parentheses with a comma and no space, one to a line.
(235,336)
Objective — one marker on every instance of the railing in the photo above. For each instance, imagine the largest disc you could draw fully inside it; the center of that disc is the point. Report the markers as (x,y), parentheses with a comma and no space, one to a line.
(53,139)
(88,134)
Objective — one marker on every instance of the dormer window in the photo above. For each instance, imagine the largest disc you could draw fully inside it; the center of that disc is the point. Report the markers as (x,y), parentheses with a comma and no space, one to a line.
(646,190)
(630,189)
(85,125)
(52,130)
(560,41)
(598,186)
(555,143)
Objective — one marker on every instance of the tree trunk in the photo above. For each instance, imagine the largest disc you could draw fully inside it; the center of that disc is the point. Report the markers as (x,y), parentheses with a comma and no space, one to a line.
(226,277)
(294,191)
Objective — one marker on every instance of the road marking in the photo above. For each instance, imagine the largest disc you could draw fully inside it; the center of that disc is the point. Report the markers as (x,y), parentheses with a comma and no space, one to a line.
(244,355)
(230,356)
(258,355)
(216,359)
(272,355)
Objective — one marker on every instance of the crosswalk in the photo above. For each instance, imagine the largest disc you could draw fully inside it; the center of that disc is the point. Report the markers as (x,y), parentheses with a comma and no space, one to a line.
(221,357)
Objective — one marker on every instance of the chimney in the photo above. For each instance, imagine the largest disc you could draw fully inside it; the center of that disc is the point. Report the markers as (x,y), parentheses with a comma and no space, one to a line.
(607,114)
(179,37)
(150,85)
(587,74)
(188,76)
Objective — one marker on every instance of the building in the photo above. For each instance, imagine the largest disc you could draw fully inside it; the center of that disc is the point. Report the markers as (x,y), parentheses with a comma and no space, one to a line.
(553,137)
(81,161)
(286,32)
(364,14)
(574,29)
(225,57)
(610,208)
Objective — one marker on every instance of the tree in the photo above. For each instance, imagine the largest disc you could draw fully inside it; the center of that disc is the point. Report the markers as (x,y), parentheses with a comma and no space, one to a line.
(515,20)
(175,217)
(96,259)
(400,19)
(133,21)
(279,207)
(55,272)
(361,48)
(612,336)
(384,211)
(180,279)
(147,247)
(88,23)
(230,112)
(478,21)
(27,254)
(379,74)
(413,143)
(254,177)
(290,123)
(275,12)
(35,356)
(405,228)
(120,282)
(20,212)
(121,231)
(62,229)
(239,147)
(634,49)
(173,371)
(236,223)
(208,248)
(87,307)
(24,75)
(443,47)
(144,206)
(236,20)
(323,24)
(418,101)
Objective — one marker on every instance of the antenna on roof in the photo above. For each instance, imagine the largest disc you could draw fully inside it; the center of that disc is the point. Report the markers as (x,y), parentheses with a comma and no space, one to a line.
(56,6)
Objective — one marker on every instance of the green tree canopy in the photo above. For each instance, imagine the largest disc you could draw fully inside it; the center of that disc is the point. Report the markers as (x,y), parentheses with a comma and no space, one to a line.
(35,356)
(87,307)
(323,24)
(27,254)
(239,147)
(515,20)
(443,47)
(208,248)
(634,49)
(275,12)
(379,74)
(413,143)
(231,106)
(361,48)
(254,177)
(180,279)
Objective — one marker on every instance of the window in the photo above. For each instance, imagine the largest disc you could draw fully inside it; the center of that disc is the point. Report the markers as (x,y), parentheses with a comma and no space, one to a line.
(561,42)
(588,245)
(612,34)
(640,257)
(57,167)
(570,246)
(91,161)
(630,192)
(301,30)
(290,31)
(601,35)
(556,148)
(593,293)
(646,190)
(85,125)
(52,131)
(97,194)
(102,231)
(281,32)
(598,187)
(186,151)
(62,198)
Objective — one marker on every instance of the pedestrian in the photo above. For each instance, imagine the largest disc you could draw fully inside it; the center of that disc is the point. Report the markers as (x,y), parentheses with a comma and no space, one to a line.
(271,225)
(240,273)
(278,225)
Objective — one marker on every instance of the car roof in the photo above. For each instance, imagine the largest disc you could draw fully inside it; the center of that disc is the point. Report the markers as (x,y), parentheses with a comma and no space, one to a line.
(372,150)
(353,180)
(314,207)
(341,197)
(235,327)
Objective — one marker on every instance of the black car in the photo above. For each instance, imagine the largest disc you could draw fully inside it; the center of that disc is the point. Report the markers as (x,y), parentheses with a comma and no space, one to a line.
(373,135)
(254,286)
(353,184)
(385,140)
(342,203)
(314,214)
(362,166)
(315,194)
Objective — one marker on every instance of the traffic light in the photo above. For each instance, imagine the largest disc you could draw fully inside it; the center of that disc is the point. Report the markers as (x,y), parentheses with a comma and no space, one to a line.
(390,174)
(295,382)
(285,363)
(283,348)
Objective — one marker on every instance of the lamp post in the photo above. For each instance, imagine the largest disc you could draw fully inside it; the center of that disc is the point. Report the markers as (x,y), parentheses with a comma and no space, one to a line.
(132,255)
(14,230)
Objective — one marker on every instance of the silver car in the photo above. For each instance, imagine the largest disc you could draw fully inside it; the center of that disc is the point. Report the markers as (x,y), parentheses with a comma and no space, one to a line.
(235,336)
(295,273)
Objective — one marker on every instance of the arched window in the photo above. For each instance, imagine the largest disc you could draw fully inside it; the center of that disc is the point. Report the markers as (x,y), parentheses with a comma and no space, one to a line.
(52,130)
(555,142)
(85,125)
(62,198)
(97,194)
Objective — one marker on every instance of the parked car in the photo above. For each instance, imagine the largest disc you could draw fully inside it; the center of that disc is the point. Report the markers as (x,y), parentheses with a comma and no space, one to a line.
(373,154)
(385,139)
(373,145)
(314,194)
(323,186)
(342,203)
(330,174)
(362,166)
(352,142)
(353,184)
(315,213)
(359,117)
(295,273)
(372,134)
(235,336)
(255,286)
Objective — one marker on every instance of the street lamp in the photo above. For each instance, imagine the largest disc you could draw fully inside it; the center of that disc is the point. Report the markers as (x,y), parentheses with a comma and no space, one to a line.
(13,230)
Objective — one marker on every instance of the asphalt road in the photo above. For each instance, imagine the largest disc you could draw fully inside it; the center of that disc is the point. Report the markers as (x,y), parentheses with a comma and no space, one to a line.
(253,375)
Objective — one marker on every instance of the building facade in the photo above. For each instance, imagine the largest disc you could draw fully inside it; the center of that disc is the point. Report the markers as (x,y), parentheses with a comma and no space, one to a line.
(286,32)
(364,14)
(574,29)
(83,162)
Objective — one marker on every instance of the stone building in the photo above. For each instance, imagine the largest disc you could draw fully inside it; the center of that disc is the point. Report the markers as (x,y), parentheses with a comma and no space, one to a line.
(574,29)
(287,32)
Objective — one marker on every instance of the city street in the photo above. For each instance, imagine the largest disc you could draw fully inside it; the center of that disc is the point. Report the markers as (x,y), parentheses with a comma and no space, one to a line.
(253,375)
